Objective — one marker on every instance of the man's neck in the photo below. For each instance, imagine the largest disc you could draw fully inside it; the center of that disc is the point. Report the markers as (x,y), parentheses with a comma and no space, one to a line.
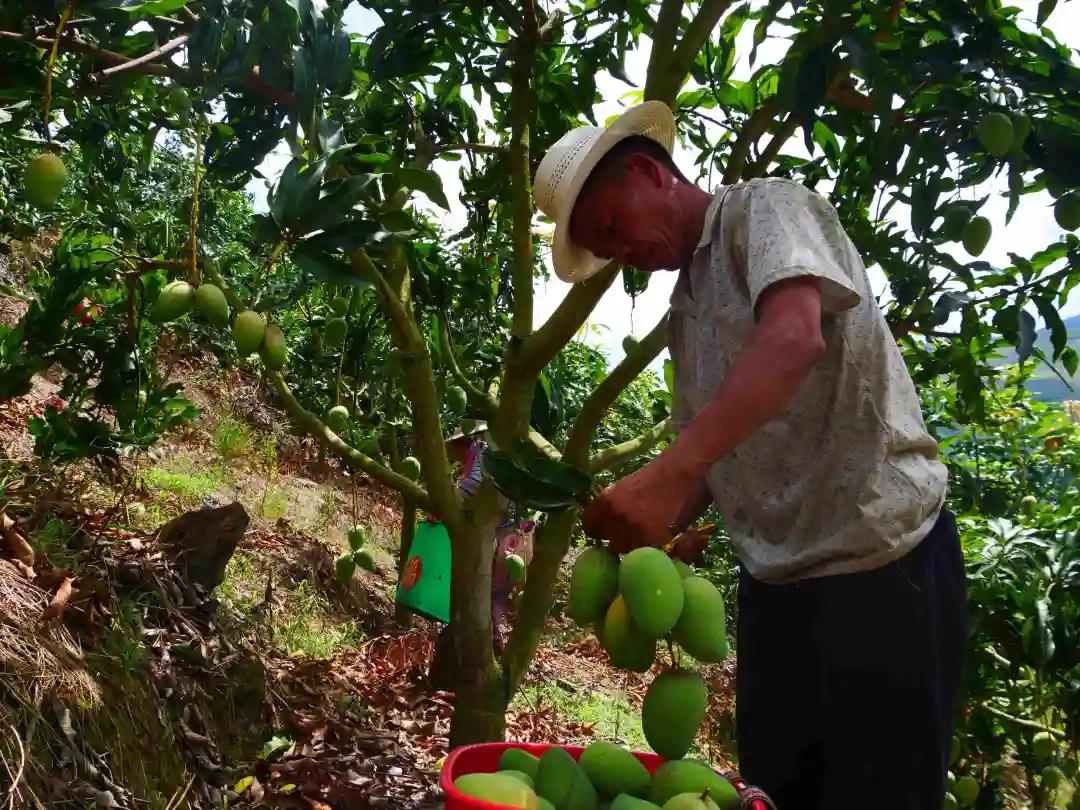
(695,204)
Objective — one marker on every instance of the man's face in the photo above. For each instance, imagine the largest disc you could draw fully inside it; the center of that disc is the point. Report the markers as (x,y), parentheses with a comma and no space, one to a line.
(631,218)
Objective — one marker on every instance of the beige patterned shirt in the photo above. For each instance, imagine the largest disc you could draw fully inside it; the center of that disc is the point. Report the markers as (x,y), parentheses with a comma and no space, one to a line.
(847,478)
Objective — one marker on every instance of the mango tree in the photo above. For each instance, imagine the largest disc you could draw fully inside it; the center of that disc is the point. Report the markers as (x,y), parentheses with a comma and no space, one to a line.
(901,107)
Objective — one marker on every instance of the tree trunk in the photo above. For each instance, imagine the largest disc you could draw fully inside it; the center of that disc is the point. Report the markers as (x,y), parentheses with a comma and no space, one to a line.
(481,695)
(552,543)
(408,529)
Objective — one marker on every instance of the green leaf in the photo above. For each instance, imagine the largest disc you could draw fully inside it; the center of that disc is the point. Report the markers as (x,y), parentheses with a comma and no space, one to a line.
(1046,8)
(669,377)
(327,267)
(274,746)
(1070,359)
(425,181)
(1026,340)
(398,221)
(336,206)
(535,483)
(1059,335)
(297,192)
(304,87)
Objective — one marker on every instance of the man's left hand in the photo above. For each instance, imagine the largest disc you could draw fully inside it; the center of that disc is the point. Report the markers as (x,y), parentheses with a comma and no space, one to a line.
(639,509)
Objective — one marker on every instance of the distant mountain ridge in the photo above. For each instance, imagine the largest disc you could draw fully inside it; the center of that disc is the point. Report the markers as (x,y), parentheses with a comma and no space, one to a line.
(1045,384)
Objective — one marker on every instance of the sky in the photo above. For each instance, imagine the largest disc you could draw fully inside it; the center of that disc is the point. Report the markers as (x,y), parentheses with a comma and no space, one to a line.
(616,315)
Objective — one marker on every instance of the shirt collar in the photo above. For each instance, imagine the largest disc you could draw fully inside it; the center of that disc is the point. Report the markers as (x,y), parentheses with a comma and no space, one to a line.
(710,217)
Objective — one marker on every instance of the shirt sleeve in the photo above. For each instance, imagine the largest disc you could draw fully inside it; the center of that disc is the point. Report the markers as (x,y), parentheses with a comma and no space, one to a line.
(793,232)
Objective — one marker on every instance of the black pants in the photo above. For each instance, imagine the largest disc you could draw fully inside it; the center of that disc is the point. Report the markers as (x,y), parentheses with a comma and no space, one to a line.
(847,685)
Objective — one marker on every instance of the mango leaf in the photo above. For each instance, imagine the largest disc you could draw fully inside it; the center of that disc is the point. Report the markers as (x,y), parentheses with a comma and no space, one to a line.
(274,746)
(1059,335)
(337,204)
(669,376)
(297,192)
(425,181)
(327,267)
(304,87)
(1026,340)
(1069,359)
(1046,8)
(535,483)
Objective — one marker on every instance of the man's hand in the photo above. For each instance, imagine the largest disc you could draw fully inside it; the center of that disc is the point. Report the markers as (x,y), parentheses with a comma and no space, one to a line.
(640,509)
(689,545)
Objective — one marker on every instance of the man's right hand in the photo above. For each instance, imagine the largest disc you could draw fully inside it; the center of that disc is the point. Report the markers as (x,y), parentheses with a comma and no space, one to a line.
(689,545)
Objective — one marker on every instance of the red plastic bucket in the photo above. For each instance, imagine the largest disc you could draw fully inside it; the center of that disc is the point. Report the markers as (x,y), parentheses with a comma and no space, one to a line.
(484,758)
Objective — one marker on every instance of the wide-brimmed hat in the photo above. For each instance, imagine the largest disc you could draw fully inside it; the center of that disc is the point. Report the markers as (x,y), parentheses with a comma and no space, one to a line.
(480,427)
(567,165)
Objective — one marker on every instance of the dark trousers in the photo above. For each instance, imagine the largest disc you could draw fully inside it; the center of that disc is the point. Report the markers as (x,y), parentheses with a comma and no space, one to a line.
(848,685)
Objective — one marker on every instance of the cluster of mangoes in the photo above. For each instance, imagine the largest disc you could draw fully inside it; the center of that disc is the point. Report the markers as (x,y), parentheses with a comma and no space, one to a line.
(606,777)
(345,565)
(634,603)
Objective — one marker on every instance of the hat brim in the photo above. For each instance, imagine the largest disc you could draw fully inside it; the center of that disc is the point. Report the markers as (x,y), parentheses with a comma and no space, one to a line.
(574,263)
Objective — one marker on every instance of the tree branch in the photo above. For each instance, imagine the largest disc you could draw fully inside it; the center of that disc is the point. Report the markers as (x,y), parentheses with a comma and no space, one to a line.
(611,457)
(546,342)
(165,49)
(697,34)
(419,378)
(753,129)
(446,348)
(252,81)
(354,458)
(657,75)
(597,403)
(772,149)
(1019,721)
(490,148)
(520,188)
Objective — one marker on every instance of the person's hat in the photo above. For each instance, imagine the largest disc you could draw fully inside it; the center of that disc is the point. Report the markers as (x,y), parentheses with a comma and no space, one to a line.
(567,165)
(480,427)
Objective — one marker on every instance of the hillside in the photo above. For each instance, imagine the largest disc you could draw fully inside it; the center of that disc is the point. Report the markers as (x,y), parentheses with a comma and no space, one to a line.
(1045,384)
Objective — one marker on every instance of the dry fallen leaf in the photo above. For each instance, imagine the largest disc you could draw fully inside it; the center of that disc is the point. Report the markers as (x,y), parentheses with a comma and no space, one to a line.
(22,549)
(59,602)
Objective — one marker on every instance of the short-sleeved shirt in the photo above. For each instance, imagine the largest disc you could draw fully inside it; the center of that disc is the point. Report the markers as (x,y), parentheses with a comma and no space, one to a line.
(847,478)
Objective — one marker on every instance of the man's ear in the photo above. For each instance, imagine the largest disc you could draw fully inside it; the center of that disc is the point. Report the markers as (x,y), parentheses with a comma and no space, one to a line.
(647,166)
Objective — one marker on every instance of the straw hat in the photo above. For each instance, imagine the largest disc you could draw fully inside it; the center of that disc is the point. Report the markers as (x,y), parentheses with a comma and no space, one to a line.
(567,165)
(461,434)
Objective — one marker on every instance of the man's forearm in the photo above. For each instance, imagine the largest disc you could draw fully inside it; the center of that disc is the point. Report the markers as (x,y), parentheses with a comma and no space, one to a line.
(762,381)
(698,500)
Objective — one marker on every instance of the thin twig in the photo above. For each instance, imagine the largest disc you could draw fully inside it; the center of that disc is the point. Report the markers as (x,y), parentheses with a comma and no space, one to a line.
(469,147)
(22,764)
(69,10)
(150,56)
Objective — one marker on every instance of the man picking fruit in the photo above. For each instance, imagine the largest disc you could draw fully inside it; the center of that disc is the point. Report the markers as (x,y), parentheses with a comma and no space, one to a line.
(796,416)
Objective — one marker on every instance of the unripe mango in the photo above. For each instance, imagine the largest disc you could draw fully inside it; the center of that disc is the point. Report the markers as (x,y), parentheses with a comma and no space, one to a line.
(690,776)
(248,331)
(626,644)
(211,303)
(701,629)
(594,581)
(273,350)
(672,712)
(995,133)
(499,789)
(976,235)
(45,178)
(173,302)
(517,759)
(653,590)
(338,418)
(614,770)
